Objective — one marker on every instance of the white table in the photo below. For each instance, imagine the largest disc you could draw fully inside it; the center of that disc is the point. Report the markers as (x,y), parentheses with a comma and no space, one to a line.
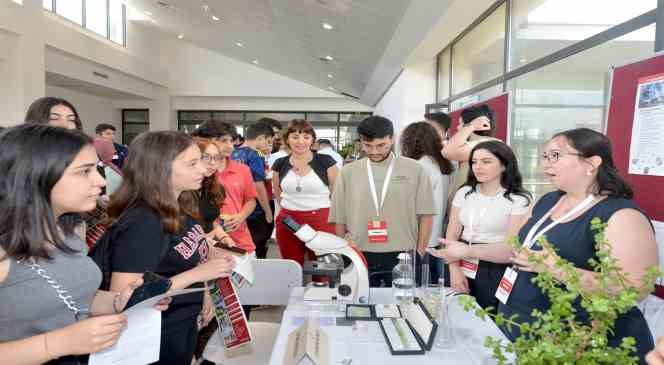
(367,344)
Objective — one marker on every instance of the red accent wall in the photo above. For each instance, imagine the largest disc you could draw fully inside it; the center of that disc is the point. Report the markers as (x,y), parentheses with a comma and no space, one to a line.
(648,190)
(499,104)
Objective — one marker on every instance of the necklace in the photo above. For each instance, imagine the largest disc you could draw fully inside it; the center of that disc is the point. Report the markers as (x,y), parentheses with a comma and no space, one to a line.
(299,170)
(298,179)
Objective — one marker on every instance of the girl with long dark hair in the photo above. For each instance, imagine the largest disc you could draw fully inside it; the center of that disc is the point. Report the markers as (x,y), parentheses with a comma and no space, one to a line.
(421,142)
(54,111)
(488,209)
(51,311)
(579,163)
(158,232)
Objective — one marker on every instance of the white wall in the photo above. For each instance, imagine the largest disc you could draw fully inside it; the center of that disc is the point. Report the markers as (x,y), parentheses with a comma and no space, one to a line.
(405,101)
(91,109)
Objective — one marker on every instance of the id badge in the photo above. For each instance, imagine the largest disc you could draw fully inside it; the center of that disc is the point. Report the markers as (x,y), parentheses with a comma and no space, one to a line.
(506,285)
(377,232)
(469,267)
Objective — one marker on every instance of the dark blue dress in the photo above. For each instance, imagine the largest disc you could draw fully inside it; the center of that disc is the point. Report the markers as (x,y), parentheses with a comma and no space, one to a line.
(574,242)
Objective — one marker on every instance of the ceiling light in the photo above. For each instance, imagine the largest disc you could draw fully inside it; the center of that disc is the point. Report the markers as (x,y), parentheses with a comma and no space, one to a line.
(148,13)
(329,58)
(523,60)
(329,76)
(180,36)
(331,88)
(215,18)
(327,26)
(239,44)
(255,62)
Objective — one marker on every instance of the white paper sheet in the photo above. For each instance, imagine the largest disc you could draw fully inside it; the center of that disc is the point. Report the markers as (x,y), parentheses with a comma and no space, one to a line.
(139,342)
(646,155)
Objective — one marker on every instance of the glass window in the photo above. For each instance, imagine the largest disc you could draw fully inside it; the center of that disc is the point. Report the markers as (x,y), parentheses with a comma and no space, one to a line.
(232,118)
(444,75)
(353,118)
(567,94)
(472,99)
(131,130)
(70,9)
(47,4)
(347,134)
(195,116)
(478,56)
(96,17)
(137,116)
(322,117)
(117,19)
(329,133)
(282,117)
(541,27)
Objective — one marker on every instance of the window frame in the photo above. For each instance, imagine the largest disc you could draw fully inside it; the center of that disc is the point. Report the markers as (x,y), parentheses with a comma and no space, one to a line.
(84,23)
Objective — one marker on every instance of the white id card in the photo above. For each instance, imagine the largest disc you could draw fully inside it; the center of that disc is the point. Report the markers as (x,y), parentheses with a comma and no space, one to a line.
(469,267)
(506,285)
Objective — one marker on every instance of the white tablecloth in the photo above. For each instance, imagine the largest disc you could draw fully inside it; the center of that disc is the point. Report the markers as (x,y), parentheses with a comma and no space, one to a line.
(366,345)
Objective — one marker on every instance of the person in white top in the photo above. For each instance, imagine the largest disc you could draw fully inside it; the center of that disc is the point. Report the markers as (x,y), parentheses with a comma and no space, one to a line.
(420,142)
(325,147)
(486,211)
(302,182)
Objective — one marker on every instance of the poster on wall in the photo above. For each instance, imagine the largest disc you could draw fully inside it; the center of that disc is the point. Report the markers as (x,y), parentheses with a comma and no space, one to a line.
(646,154)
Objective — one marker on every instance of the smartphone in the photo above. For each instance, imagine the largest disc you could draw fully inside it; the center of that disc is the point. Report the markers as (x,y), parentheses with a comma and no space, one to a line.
(233,249)
(153,285)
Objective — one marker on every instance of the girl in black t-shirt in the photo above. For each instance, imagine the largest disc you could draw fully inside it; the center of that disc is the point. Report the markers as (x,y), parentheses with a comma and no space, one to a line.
(159,234)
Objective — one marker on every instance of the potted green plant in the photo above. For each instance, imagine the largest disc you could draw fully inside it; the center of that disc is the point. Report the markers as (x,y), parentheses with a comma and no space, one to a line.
(556,336)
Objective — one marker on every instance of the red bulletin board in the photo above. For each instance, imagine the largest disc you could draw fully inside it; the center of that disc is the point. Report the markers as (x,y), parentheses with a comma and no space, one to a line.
(648,190)
(498,104)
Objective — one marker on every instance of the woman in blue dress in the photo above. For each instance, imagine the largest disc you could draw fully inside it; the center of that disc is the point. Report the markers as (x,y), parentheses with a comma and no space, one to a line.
(580,166)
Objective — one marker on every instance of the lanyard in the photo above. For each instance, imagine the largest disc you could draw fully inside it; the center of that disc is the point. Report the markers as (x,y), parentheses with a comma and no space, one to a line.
(531,237)
(372,184)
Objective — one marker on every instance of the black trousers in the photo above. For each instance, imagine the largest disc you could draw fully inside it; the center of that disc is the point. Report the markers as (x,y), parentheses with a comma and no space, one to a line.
(261,231)
(178,344)
(380,267)
(484,287)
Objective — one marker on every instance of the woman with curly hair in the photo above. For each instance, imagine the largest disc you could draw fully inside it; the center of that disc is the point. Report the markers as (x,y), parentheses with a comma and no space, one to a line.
(421,142)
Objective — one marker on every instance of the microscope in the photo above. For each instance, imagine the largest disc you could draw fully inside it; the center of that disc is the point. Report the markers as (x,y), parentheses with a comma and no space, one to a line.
(349,284)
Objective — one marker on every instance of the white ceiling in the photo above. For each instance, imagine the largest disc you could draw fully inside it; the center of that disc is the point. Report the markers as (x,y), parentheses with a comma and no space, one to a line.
(287,37)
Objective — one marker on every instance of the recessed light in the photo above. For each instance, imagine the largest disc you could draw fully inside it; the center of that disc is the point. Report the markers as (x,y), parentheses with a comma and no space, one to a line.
(331,88)
(239,44)
(215,18)
(148,13)
(329,76)
(180,36)
(255,62)
(329,58)
(327,26)
(523,60)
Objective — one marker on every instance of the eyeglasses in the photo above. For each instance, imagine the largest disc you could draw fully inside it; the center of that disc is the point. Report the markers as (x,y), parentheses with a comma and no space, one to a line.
(554,156)
(209,158)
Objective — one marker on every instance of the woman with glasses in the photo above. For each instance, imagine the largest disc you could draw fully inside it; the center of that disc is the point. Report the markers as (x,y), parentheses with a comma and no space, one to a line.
(302,184)
(486,211)
(579,164)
